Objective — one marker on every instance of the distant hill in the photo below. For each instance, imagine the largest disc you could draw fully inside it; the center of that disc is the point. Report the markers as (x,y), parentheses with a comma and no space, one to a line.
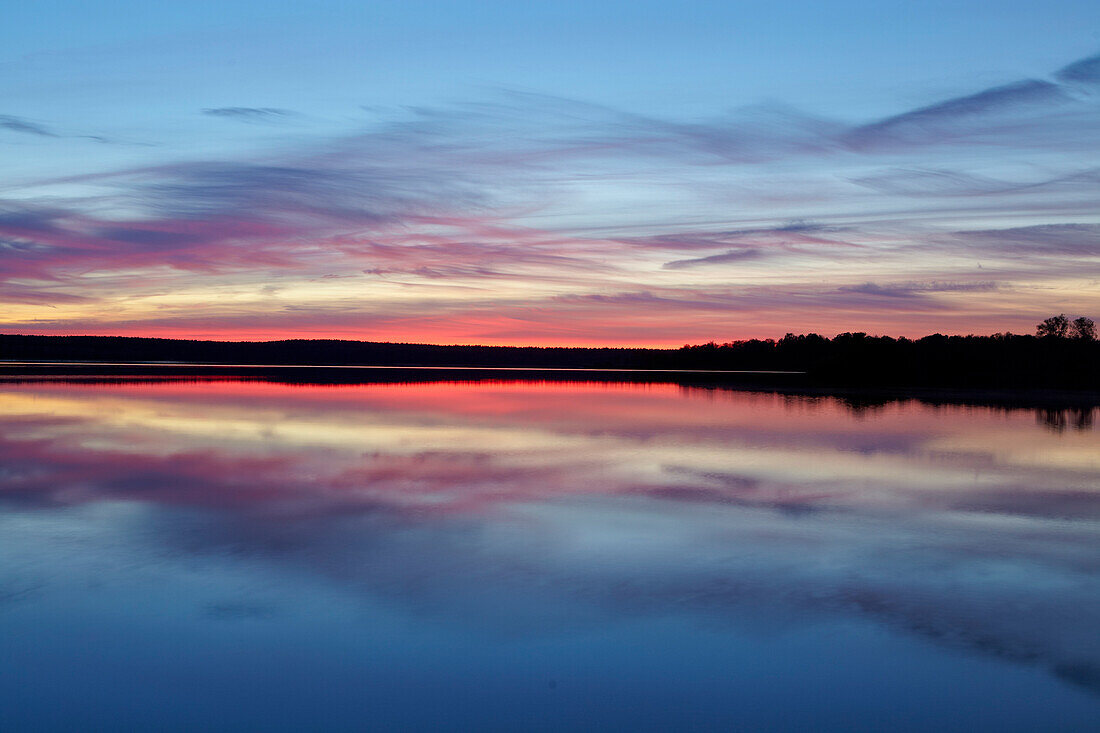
(852,359)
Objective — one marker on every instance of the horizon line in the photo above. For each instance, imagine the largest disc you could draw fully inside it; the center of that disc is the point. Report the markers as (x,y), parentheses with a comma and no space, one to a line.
(509,346)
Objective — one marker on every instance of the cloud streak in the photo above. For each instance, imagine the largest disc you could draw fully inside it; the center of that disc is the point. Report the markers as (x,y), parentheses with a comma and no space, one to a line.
(916,290)
(21,125)
(1086,70)
(967,115)
(733,255)
(249,114)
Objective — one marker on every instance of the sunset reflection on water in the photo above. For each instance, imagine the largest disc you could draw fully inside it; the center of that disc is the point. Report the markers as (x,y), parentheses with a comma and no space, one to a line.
(519,554)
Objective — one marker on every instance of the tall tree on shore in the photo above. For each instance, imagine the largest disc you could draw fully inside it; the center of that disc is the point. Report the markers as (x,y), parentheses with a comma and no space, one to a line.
(1083,328)
(1055,326)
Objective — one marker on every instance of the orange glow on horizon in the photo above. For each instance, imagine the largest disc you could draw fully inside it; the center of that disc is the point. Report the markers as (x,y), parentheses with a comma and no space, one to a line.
(462,338)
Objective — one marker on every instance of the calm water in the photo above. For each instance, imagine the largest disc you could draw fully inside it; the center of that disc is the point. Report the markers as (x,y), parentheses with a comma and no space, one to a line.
(234,555)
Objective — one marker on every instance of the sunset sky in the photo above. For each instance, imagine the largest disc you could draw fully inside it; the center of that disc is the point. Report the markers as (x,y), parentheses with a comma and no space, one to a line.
(573,173)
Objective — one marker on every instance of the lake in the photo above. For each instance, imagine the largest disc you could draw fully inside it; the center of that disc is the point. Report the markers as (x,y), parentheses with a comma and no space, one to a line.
(235,554)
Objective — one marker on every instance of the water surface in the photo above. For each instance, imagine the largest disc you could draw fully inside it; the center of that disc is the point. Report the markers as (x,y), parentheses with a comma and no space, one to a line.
(229,554)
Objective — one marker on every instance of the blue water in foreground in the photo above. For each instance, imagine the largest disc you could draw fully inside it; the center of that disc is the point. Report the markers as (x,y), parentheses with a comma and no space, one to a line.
(240,555)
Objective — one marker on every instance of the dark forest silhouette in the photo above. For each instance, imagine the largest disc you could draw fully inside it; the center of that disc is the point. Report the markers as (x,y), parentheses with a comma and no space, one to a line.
(1065,354)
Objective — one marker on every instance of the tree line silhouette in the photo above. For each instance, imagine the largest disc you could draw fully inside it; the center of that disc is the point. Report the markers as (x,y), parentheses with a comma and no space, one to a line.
(1062,354)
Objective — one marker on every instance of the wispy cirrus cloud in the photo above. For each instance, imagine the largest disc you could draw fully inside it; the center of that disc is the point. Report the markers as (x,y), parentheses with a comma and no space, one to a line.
(1081,240)
(967,115)
(25,126)
(933,182)
(249,114)
(733,255)
(917,289)
(1087,70)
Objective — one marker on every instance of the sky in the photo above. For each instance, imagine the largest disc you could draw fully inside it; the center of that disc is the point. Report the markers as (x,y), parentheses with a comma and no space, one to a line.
(547,173)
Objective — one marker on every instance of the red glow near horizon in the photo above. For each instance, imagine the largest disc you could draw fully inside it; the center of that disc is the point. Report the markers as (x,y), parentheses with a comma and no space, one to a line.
(594,333)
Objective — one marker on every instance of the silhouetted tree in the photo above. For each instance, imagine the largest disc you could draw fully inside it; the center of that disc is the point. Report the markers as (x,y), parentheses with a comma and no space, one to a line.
(1056,326)
(1083,328)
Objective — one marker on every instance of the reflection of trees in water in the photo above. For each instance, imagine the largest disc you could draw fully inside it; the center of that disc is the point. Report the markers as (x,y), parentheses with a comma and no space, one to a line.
(1056,418)
(1078,418)
(861,407)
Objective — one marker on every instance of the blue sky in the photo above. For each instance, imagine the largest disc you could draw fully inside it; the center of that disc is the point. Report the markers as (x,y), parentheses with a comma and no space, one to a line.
(547,172)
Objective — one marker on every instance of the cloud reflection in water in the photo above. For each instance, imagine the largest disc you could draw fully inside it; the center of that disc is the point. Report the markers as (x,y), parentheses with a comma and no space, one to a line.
(538,510)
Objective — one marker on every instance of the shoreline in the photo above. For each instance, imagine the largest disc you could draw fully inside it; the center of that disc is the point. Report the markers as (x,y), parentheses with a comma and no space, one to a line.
(791,383)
